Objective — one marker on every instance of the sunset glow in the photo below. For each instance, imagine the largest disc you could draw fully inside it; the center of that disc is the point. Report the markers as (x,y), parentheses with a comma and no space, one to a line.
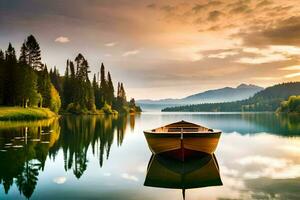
(150,45)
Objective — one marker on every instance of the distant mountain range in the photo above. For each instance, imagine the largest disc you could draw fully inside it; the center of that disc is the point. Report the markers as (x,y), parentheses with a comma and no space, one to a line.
(268,99)
(226,94)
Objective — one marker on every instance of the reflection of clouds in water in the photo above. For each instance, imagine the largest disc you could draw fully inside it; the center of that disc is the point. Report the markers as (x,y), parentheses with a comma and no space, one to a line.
(246,160)
(229,172)
(291,148)
(263,160)
(106,174)
(129,177)
(277,168)
(287,172)
(60,180)
(142,168)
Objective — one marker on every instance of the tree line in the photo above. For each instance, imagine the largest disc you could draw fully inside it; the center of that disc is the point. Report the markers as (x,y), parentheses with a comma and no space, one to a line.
(268,99)
(26,81)
(292,105)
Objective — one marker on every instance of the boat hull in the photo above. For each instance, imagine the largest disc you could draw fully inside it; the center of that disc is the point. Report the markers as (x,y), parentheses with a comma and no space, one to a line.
(182,144)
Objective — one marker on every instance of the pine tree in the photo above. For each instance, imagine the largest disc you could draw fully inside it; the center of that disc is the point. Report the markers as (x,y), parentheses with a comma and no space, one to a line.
(110,90)
(78,90)
(33,53)
(10,54)
(96,92)
(56,80)
(122,94)
(1,55)
(103,86)
(10,71)
(44,86)
(66,87)
(2,77)
(120,103)
(24,54)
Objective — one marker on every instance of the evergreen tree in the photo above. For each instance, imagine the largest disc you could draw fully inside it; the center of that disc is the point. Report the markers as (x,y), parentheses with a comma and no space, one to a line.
(2,77)
(1,55)
(103,86)
(10,71)
(33,53)
(66,87)
(10,54)
(56,80)
(96,92)
(120,102)
(110,90)
(44,86)
(78,91)
(24,55)
(26,91)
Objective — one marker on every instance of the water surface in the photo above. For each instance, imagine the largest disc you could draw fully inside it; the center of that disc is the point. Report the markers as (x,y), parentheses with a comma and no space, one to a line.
(97,157)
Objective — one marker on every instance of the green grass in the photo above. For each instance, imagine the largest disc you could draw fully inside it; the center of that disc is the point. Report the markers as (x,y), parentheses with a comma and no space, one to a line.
(20,114)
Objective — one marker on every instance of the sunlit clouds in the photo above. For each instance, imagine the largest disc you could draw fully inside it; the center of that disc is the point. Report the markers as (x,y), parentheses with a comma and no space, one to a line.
(111,44)
(131,53)
(149,45)
(292,75)
(62,39)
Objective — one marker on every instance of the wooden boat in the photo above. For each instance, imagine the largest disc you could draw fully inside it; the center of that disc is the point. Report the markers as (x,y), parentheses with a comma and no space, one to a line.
(182,139)
(199,172)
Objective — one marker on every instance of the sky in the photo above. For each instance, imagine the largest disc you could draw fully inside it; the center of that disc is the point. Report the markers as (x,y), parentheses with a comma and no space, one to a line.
(164,48)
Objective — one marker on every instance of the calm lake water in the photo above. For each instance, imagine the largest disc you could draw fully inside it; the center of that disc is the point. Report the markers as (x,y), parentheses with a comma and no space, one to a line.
(93,157)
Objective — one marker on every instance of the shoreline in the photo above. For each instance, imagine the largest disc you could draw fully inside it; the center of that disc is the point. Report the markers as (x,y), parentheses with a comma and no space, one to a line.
(15,113)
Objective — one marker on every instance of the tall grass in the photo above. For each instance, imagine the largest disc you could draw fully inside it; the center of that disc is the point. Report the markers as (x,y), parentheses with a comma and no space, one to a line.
(20,114)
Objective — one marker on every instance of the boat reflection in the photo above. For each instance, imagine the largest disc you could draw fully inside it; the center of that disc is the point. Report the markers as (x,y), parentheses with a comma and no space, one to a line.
(196,172)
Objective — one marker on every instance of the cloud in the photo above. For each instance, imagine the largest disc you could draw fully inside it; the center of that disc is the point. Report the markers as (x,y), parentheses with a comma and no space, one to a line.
(294,67)
(224,54)
(262,59)
(62,39)
(265,78)
(60,180)
(282,32)
(214,15)
(241,9)
(264,3)
(200,7)
(292,75)
(265,55)
(168,8)
(151,6)
(129,177)
(111,44)
(130,53)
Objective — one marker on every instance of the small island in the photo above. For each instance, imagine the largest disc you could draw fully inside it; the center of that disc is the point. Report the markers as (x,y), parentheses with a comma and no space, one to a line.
(29,91)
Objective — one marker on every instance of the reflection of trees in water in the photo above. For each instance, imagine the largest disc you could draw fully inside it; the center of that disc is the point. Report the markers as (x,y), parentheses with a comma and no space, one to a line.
(24,152)
(24,157)
(81,133)
(279,124)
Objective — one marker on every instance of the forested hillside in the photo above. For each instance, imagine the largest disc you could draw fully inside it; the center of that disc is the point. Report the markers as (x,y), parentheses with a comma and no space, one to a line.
(26,82)
(292,105)
(266,100)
